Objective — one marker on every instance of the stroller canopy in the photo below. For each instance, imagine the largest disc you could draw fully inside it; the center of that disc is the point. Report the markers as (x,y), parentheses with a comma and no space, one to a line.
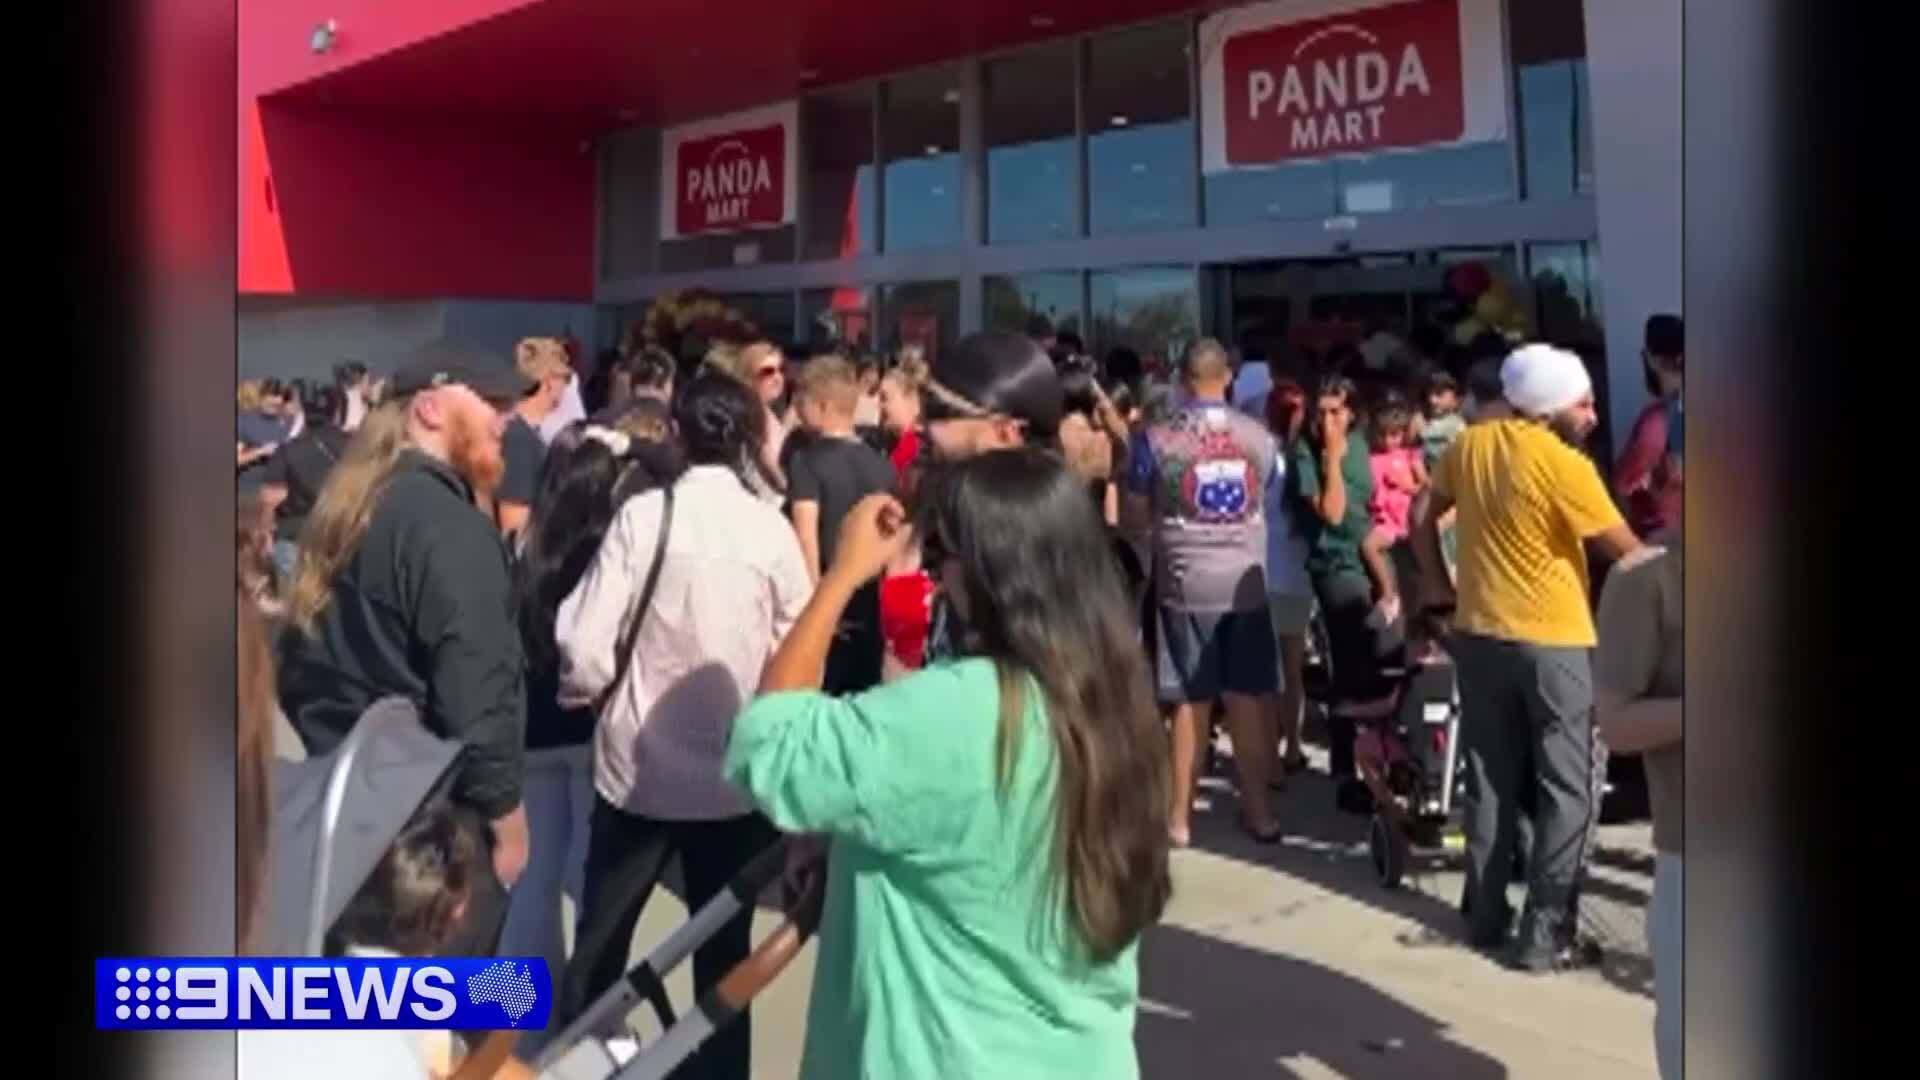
(334,817)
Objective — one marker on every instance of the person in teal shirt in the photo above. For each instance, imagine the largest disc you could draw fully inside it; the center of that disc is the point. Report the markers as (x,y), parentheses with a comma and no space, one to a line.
(998,822)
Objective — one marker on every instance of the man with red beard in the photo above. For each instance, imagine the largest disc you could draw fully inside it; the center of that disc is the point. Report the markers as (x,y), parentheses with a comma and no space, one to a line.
(402,588)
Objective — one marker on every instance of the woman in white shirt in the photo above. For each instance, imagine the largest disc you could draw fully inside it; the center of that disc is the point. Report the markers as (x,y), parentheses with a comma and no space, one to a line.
(731,584)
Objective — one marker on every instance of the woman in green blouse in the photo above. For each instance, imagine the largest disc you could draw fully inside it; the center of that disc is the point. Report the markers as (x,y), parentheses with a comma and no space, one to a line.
(998,822)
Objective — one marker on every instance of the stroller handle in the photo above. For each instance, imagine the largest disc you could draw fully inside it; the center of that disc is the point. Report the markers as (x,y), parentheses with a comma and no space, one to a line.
(683,1035)
(771,957)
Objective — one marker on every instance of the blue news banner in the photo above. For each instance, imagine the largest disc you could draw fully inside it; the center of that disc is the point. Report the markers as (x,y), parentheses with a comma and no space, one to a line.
(232,993)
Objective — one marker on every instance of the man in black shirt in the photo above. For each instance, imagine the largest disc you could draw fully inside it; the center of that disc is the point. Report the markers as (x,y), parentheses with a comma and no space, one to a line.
(293,478)
(542,362)
(414,600)
(830,471)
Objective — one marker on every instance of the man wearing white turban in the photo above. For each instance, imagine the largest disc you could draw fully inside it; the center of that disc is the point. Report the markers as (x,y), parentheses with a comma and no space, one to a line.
(1528,501)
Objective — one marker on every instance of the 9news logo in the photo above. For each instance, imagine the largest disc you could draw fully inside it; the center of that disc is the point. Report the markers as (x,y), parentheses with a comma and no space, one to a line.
(232,993)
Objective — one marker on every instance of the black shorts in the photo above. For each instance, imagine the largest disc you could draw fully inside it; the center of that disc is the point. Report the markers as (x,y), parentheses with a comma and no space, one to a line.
(1359,651)
(1203,654)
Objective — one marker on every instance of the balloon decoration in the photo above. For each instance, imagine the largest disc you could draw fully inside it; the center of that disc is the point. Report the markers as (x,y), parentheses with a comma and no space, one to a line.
(685,323)
(1485,304)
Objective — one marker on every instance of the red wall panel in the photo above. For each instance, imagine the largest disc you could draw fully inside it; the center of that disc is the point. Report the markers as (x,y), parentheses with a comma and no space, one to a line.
(392,204)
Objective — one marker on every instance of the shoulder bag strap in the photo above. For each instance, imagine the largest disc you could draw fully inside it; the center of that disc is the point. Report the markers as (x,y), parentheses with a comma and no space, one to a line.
(623,651)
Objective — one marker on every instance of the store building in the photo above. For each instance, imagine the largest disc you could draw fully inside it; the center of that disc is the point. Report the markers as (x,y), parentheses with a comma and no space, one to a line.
(1137,171)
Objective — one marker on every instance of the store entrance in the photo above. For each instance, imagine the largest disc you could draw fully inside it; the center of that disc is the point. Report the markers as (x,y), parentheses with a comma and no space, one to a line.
(1296,311)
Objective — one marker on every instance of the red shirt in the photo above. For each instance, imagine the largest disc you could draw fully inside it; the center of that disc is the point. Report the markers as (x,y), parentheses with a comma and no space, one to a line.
(904,452)
(1641,479)
(906,605)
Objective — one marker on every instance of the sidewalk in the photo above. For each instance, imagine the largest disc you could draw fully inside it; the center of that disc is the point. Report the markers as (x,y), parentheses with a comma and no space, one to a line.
(1291,961)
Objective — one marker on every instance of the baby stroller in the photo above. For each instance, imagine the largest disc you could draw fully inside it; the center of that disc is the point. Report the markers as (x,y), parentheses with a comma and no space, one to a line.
(336,816)
(585,1050)
(1410,760)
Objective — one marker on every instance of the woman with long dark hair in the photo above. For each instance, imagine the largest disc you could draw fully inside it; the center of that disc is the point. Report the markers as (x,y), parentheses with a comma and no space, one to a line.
(672,669)
(589,470)
(1289,589)
(998,822)
(1331,482)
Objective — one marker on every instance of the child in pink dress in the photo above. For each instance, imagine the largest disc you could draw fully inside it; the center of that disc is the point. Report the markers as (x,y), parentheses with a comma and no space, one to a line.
(1398,475)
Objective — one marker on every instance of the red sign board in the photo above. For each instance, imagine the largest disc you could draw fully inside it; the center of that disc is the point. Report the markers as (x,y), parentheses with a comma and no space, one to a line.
(1364,80)
(730,181)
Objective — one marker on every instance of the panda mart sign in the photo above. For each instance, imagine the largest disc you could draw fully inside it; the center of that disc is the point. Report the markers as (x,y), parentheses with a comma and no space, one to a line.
(730,173)
(1298,80)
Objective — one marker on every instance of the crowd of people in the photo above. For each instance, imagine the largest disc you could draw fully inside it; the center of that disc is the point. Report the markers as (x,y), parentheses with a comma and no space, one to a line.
(965,625)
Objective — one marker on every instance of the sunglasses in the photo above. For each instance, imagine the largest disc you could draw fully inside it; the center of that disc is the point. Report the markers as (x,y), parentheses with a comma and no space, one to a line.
(773,372)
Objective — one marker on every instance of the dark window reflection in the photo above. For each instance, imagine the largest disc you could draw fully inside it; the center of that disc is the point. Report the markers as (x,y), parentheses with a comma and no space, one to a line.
(1154,311)
(1030,148)
(1016,301)
(923,313)
(1140,149)
(838,128)
(770,313)
(920,141)
(837,319)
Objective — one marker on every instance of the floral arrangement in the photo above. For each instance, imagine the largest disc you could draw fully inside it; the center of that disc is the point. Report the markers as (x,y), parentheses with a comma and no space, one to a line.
(1485,305)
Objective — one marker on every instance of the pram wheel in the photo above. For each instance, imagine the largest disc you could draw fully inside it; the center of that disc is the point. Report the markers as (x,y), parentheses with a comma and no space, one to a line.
(1389,850)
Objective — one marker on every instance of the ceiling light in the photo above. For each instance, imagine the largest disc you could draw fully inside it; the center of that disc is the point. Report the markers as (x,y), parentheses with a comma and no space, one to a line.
(951,97)
(323,37)
(932,149)
(1119,121)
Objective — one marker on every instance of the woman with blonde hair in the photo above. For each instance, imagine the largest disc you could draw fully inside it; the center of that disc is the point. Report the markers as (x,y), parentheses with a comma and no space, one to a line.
(345,505)
(761,367)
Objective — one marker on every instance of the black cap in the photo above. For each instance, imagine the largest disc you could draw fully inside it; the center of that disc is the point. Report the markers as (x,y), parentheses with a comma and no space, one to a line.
(996,373)
(446,363)
(1666,336)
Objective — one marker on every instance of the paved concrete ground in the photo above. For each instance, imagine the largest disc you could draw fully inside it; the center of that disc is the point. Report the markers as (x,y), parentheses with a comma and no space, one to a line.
(1291,961)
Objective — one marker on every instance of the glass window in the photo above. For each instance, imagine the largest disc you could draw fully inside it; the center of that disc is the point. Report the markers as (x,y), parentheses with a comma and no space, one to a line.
(715,251)
(1565,282)
(837,318)
(1154,311)
(924,313)
(838,129)
(770,313)
(1566,295)
(920,139)
(1556,117)
(1140,150)
(1301,190)
(1014,302)
(1557,125)
(1414,179)
(1031,167)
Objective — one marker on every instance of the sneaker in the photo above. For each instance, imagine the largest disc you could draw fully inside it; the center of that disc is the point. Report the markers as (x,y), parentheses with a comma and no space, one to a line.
(1554,952)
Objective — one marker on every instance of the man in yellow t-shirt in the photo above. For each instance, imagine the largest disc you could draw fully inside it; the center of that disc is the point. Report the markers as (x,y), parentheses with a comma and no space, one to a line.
(1527,503)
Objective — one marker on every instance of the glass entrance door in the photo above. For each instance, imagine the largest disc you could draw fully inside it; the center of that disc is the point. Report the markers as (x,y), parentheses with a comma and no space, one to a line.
(1380,304)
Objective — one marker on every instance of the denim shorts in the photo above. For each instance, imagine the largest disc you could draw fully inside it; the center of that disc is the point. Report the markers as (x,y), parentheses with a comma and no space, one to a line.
(1203,654)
